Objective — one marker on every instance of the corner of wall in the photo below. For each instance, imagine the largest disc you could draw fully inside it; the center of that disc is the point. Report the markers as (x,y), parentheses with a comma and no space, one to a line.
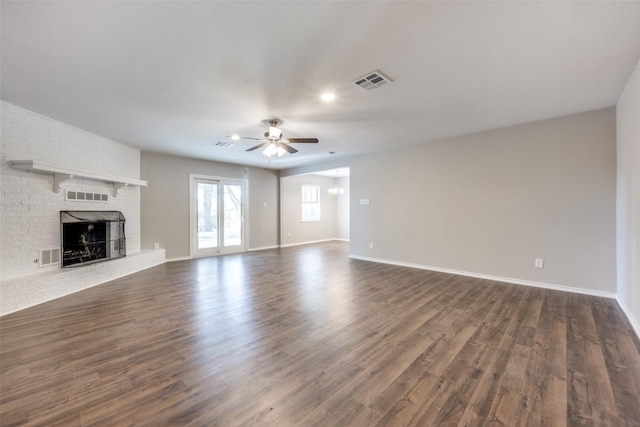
(628,199)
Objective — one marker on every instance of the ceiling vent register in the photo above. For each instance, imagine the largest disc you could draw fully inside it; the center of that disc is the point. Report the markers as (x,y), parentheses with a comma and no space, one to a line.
(372,80)
(223,144)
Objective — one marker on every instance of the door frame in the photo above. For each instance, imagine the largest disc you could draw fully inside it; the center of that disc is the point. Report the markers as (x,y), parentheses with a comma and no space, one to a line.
(193,210)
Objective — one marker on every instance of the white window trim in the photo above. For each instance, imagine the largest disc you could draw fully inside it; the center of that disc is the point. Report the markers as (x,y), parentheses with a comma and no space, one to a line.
(318,192)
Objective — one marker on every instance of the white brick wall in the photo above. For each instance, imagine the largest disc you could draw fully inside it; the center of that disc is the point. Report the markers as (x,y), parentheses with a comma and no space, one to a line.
(30,209)
(26,291)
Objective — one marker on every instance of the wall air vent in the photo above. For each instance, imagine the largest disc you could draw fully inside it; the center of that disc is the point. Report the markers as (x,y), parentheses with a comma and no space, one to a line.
(83,196)
(372,80)
(49,257)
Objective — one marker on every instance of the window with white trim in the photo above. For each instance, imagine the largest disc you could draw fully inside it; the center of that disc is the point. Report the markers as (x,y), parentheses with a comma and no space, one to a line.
(310,202)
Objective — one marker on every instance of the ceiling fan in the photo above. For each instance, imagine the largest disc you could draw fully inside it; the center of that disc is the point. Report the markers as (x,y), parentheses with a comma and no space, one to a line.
(275,143)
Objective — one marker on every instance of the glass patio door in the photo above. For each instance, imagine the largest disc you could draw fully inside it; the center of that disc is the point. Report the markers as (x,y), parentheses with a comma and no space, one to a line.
(217,211)
(232,237)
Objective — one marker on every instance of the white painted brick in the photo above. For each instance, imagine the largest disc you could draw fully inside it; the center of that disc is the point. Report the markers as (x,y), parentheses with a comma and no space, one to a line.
(20,293)
(30,209)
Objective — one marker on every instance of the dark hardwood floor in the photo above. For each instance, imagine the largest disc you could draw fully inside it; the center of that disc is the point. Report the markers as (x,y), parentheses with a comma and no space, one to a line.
(304,336)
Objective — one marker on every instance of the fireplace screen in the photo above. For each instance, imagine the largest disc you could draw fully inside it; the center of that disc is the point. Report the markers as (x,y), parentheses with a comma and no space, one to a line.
(88,237)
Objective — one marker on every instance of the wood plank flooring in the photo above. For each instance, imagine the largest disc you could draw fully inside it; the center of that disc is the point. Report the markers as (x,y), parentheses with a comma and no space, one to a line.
(304,336)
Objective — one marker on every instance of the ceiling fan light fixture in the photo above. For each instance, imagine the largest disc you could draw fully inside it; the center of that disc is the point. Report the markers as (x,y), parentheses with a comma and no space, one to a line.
(270,151)
(274,133)
(273,150)
(235,137)
(273,144)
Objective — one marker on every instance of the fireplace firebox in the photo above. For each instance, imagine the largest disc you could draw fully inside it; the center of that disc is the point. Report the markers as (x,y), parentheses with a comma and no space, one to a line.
(88,237)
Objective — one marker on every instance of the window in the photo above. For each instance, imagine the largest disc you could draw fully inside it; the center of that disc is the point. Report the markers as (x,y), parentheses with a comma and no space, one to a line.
(310,202)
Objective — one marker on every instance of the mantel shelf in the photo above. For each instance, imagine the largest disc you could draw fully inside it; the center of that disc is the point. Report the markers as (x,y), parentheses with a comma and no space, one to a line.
(62,174)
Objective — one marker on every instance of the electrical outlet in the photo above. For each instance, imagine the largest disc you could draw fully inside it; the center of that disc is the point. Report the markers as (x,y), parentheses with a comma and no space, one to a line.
(289,234)
(156,245)
(539,263)
(370,245)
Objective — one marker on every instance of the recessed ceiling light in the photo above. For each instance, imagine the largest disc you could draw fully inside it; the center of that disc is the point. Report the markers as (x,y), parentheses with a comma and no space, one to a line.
(235,137)
(328,96)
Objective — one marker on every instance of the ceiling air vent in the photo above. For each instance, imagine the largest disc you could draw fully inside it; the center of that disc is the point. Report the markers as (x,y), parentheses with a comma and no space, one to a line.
(372,80)
(223,144)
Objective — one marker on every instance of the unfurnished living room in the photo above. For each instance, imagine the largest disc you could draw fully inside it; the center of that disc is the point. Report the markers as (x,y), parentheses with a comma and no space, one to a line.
(319,213)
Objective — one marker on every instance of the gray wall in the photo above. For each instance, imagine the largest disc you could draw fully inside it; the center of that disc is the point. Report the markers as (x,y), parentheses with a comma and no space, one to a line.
(165,202)
(628,201)
(342,209)
(264,199)
(293,229)
(487,203)
(490,203)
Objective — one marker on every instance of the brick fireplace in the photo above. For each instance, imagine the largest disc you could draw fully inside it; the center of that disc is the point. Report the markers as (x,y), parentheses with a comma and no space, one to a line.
(32,203)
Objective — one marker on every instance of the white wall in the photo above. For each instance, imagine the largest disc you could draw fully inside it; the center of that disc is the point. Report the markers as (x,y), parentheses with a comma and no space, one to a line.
(30,209)
(628,200)
(293,230)
(165,202)
(488,204)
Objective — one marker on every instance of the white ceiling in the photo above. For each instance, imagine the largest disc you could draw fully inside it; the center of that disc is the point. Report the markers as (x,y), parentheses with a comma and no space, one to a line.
(177,77)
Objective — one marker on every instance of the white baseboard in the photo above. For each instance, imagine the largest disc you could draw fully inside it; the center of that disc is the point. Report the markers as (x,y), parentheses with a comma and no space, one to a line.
(307,243)
(263,248)
(494,278)
(179,258)
(635,324)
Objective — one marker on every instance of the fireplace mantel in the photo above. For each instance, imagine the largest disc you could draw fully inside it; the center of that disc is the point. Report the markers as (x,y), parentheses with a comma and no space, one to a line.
(62,174)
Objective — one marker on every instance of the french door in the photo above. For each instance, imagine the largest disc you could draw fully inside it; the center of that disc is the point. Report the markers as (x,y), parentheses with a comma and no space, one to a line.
(218,208)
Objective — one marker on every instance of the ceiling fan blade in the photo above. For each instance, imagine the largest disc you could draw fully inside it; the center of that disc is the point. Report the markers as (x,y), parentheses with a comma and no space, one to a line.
(303,140)
(246,137)
(288,148)
(256,147)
